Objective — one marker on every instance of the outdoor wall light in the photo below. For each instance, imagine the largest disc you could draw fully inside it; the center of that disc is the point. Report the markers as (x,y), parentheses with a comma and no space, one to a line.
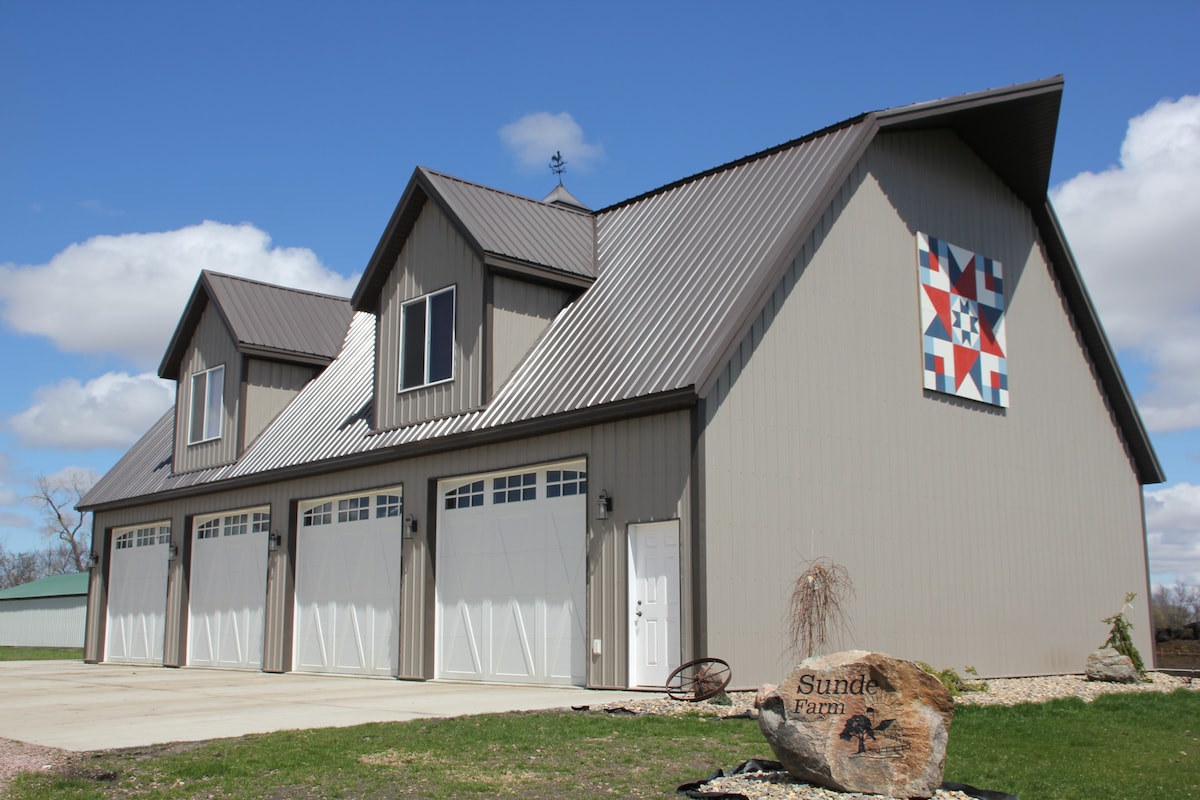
(172,551)
(274,540)
(603,505)
(410,526)
(92,560)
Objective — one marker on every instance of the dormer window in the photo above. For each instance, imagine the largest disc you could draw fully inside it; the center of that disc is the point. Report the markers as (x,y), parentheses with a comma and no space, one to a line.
(427,340)
(208,392)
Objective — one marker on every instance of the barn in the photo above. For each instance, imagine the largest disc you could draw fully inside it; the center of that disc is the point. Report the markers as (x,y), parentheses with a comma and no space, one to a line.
(554,445)
(50,612)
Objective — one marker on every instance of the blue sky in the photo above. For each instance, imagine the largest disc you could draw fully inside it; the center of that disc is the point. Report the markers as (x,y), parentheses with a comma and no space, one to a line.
(142,142)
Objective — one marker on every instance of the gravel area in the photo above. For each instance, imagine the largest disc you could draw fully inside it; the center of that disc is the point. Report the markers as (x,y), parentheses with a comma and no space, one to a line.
(17,757)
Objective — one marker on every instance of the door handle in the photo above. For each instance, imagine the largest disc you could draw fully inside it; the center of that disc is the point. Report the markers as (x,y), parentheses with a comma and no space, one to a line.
(638,613)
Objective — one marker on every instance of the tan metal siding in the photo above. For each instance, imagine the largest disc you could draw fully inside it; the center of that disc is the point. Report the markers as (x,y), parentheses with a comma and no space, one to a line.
(211,346)
(520,313)
(973,535)
(643,463)
(434,257)
(270,386)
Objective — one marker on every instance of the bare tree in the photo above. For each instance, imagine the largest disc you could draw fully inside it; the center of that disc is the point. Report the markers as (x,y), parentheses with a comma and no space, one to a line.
(1175,606)
(18,568)
(57,496)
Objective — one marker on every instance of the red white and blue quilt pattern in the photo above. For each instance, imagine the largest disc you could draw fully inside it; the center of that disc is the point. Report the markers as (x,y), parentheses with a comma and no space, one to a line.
(962,322)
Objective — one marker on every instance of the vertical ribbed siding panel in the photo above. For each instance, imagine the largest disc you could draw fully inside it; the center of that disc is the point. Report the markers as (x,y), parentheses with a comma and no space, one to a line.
(43,621)
(211,346)
(520,313)
(270,386)
(434,257)
(643,463)
(973,535)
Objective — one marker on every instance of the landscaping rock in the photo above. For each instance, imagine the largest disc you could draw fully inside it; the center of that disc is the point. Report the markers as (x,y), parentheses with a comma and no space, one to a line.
(860,722)
(1108,665)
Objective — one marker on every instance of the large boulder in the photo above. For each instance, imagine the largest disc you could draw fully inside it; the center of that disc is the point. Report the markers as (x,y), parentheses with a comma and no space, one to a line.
(1106,664)
(860,722)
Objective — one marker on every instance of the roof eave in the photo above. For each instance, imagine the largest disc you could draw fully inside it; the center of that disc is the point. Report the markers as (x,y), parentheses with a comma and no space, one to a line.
(1103,358)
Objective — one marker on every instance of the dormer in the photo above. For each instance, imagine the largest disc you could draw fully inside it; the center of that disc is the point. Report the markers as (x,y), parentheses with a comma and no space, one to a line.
(464,281)
(242,350)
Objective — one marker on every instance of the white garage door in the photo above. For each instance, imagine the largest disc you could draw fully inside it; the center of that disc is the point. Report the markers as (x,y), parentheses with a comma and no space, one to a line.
(227,594)
(348,584)
(511,576)
(137,594)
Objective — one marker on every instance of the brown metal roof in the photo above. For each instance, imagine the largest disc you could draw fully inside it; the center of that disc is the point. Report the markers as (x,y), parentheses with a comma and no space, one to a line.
(680,273)
(265,320)
(551,236)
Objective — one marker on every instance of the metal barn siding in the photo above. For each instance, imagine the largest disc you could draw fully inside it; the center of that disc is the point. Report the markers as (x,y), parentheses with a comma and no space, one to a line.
(644,463)
(270,386)
(973,535)
(521,310)
(434,257)
(212,345)
(46,613)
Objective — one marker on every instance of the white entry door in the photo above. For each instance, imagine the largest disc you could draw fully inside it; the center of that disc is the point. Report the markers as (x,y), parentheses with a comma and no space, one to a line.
(137,595)
(511,576)
(653,602)
(227,597)
(348,584)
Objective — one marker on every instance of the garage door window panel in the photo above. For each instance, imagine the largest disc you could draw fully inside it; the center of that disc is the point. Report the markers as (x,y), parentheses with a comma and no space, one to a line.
(514,488)
(469,495)
(565,482)
(354,509)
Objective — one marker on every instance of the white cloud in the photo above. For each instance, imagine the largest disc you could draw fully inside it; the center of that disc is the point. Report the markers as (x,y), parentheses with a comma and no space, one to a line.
(1173,533)
(1134,231)
(124,294)
(112,410)
(534,138)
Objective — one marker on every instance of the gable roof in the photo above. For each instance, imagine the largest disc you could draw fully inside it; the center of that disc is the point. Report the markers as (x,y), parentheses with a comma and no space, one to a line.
(265,320)
(74,583)
(679,275)
(552,239)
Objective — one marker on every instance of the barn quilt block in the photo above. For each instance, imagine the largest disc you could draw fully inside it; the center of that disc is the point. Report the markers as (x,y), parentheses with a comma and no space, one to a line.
(962,322)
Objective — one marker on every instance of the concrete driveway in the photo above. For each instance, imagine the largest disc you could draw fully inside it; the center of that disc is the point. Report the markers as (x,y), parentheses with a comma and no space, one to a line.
(79,706)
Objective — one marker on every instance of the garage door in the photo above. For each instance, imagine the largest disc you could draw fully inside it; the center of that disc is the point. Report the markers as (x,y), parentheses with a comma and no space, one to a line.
(511,576)
(348,583)
(137,594)
(227,593)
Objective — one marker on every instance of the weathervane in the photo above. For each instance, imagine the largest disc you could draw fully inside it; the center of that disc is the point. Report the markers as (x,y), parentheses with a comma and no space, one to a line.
(557,165)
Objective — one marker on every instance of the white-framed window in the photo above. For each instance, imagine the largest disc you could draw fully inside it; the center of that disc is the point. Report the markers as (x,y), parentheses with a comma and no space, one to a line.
(427,339)
(565,482)
(388,505)
(321,514)
(146,537)
(164,534)
(353,509)
(514,488)
(260,522)
(468,495)
(210,529)
(208,392)
(124,541)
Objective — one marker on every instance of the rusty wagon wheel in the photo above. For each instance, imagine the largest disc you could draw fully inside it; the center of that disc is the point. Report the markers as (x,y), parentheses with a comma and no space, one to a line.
(699,679)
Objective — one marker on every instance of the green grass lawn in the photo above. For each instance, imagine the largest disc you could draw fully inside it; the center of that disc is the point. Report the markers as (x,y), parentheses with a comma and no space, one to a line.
(1122,746)
(41,653)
